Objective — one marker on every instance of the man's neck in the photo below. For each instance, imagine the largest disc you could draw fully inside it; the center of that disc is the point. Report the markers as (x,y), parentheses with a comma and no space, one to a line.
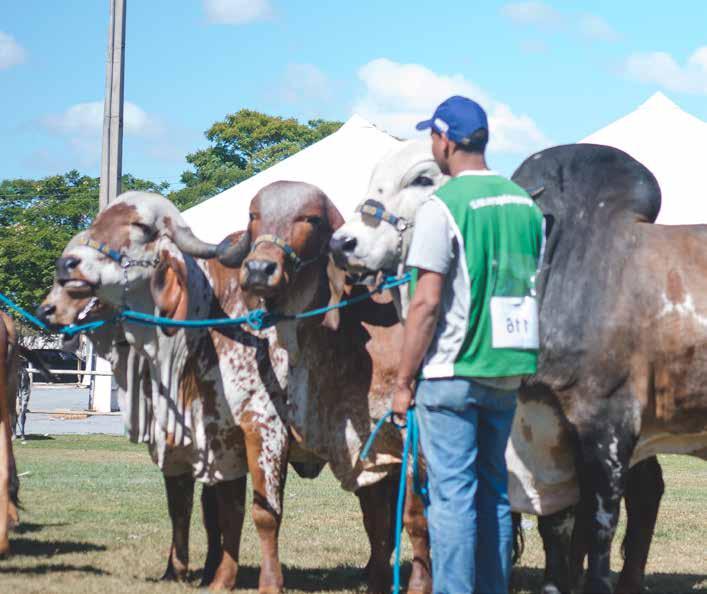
(466,162)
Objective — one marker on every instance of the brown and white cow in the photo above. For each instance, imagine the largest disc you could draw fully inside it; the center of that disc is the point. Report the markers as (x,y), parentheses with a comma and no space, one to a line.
(541,458)
(218,395)
(341,367)
(131,374)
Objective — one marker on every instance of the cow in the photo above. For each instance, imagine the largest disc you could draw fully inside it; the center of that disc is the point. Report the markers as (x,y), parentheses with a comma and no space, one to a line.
(9,485)
(218,395)
(341,365)
(131,375)
(10,353)
(540,453)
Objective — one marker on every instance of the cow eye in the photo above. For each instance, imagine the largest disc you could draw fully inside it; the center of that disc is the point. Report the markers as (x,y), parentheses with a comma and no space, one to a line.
(316,221)
(147,230)
(422,180)
(252,216)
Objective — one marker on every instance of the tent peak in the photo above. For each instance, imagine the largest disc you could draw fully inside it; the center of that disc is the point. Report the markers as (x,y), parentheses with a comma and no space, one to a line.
(357,121)
(659,100)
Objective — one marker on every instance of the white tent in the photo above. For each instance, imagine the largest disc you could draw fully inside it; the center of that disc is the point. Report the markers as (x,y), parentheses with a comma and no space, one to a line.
(341,165)
(673,145)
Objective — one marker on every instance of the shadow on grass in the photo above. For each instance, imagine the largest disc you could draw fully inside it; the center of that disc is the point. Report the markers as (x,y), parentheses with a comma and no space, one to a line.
(48,548)
(44,568)
(530,579)
(29,527)
(310,579)
(36,437)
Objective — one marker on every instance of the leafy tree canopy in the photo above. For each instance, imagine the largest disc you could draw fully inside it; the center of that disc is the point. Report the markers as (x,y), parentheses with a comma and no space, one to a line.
(38,218)
(241,145)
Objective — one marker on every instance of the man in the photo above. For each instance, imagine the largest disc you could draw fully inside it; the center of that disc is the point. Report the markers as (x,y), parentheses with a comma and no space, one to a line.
(23,390)
(471,334)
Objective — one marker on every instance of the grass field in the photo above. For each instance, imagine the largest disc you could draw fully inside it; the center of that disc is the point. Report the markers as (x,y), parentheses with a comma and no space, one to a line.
(95,521)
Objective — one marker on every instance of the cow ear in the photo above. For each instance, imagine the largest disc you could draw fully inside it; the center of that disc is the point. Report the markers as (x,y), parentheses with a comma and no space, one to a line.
(334,217)
(336,279)
(169,290)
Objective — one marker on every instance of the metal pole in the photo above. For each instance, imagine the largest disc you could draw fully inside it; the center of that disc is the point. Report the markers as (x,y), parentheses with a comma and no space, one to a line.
(112,150)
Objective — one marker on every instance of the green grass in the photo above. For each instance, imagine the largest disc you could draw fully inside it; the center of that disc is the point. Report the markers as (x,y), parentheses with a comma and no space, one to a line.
(95,520)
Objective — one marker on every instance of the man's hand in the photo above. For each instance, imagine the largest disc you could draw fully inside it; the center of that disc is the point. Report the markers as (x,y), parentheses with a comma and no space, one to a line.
(402,401)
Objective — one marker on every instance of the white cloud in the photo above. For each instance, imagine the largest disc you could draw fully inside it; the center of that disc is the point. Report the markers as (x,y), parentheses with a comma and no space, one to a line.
(237,12)
(532,13)
(81,127)
(398,96)
(304,82)
(540,14)
(662,69)
(11,52)
(86,120)
(595,27)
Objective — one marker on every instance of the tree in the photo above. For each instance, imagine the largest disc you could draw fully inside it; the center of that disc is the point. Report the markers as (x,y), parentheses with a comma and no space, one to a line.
(38,218)
(243,144)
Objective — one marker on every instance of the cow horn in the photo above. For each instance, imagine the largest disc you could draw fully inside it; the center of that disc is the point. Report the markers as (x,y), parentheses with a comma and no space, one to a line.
(232,254)
(192,245)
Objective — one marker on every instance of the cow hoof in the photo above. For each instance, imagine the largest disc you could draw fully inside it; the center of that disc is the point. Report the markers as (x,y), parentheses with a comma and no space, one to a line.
(550,589)
(597,587)
(271,590)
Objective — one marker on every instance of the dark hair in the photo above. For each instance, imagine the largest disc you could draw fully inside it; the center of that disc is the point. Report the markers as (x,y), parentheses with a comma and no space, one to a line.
(475,142)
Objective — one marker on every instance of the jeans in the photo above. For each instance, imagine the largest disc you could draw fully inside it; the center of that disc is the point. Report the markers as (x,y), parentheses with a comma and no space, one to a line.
(464,429)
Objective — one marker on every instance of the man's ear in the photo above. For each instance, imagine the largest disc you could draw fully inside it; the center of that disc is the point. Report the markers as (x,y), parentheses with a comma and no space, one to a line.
(168,287)
(336,279)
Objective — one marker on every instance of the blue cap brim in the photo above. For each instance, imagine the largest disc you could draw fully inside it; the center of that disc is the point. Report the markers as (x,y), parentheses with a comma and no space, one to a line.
(424,125)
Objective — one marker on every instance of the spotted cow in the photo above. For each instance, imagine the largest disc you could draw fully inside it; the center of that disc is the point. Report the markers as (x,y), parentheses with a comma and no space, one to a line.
(594,198)
(341,365)
(217,397)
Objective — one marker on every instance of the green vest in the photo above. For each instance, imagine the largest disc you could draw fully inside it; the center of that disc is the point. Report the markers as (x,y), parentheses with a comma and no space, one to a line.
(499,229)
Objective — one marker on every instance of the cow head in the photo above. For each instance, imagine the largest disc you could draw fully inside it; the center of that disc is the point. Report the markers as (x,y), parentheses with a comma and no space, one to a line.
(134,242)
(284,253)
(399,184)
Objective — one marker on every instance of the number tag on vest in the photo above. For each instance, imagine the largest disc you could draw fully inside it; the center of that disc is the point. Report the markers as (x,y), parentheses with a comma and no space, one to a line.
(515,323)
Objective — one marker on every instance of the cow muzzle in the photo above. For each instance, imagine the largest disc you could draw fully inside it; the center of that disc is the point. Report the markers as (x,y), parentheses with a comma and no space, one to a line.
(342,249)
(69,277)
(261,276)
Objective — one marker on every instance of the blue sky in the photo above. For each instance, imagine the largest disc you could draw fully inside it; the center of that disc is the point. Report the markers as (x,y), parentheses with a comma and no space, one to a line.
(548,72)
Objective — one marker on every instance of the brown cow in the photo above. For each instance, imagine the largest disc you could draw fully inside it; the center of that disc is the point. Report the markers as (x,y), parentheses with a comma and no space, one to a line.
(217,395)
(341,368)
(8,473)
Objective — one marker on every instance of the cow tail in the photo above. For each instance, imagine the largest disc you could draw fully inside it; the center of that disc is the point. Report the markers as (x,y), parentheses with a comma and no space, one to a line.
(518,537)
(14,484)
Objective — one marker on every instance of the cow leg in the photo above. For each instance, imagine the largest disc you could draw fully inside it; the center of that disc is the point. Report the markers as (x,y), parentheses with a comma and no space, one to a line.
(5,448)
(605,454)
(378,506)
(5,456)
(230,498)
(180,499)
(209,516)
(644,489)
(416,527)
(268,488)
(556,533)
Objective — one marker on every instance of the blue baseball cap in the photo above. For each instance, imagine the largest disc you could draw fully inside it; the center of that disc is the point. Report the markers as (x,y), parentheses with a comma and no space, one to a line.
(457,117)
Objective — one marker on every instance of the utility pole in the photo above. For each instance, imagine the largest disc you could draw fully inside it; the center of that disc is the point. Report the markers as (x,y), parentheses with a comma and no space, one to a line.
(101,396)
(112,150)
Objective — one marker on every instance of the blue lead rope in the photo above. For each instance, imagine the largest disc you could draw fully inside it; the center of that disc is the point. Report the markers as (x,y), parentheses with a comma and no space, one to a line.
(409,445)
(257,319)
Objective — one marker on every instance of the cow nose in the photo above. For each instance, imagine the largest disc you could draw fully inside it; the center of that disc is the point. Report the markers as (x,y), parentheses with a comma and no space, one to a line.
(64,266)
(260,271)
(44,311)
(343,245)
